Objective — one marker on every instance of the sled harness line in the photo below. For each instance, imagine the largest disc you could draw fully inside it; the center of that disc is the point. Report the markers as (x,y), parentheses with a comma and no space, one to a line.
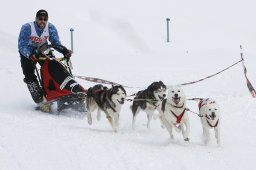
(193,82)
(98,80)
(187,109)
(147,100)
(248,83)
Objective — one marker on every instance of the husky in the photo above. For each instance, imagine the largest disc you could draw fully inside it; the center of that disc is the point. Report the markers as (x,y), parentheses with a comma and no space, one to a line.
(210,118)
(108,100)
(174,113)
(149,100)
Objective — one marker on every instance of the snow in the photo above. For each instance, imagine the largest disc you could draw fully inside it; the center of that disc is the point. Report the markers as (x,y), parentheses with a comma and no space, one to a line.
(125,42)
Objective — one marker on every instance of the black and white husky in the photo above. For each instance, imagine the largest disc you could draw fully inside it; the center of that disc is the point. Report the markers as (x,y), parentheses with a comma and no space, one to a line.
(149,100)
(174,115)
(108,100)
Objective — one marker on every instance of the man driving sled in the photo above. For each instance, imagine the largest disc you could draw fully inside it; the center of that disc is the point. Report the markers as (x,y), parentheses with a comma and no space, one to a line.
(31,36)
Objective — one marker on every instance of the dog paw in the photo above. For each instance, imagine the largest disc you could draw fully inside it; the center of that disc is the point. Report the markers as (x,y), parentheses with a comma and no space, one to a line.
(186,139)
(218,142)
(89,120)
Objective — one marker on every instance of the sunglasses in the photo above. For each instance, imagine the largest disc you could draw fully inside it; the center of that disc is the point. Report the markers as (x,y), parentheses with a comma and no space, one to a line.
(43,19)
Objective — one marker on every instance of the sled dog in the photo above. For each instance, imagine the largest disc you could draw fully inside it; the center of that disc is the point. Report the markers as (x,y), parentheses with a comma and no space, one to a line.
(174,113)
(108,100)
(210,118)
(149,100)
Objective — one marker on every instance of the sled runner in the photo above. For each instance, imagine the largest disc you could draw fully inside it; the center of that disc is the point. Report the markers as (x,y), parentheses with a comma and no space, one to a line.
(58,84)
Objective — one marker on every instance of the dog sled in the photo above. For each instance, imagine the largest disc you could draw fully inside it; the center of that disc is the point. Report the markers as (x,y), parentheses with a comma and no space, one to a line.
(58,84)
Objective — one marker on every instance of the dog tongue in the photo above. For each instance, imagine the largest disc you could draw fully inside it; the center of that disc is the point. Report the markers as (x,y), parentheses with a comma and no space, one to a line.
(176,100)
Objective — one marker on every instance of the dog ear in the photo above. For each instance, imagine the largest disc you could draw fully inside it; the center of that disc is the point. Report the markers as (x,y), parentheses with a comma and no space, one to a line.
(123,89)
(162,84)
(152,86)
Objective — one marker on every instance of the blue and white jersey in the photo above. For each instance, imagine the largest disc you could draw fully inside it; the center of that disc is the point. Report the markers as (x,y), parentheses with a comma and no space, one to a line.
(34,38)
(31,36)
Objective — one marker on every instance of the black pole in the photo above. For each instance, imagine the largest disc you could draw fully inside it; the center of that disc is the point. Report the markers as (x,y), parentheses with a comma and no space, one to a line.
(72,49)
(168,20)
(72,46)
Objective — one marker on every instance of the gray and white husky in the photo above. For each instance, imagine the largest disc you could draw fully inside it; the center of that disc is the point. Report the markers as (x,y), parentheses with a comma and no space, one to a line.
(149,100)
(108,100)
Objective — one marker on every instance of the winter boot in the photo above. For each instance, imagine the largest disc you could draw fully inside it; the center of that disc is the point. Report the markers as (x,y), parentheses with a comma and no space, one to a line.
(35,90)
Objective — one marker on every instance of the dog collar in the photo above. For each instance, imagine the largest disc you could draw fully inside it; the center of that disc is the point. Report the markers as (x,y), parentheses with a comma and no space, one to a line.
(111,104)
(216,124)
(180,116)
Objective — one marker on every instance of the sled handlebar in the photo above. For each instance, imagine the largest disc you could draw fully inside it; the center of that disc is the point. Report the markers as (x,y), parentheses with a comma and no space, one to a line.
(42,58)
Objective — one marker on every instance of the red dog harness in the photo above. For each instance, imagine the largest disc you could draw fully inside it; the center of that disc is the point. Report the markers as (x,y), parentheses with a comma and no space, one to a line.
(180,116)
(200,104)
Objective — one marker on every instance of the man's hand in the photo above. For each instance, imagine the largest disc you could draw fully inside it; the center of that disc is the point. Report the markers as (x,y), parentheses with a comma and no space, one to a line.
(67,53)
(34,57)
(62,49)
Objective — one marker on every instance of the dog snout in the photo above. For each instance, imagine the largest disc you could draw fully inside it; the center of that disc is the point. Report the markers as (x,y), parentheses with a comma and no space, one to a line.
(122,99)
(176,95)
(213,115)
(164,95)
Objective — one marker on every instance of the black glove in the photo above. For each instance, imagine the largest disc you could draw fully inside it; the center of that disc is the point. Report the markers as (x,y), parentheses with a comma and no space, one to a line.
(67,53)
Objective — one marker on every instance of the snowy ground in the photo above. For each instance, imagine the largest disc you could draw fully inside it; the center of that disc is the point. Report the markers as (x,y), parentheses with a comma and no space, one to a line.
(125,42)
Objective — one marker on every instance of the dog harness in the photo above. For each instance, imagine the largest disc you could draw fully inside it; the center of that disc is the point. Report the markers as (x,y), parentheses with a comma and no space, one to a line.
(179,117)
(213,126)
(152,103)
(111,104)
(200,104)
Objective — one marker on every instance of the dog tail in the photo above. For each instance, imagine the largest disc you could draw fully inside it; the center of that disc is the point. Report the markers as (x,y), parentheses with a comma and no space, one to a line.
(134,108)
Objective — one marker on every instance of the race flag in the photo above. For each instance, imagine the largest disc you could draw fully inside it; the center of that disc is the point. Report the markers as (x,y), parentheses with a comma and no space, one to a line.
(249,84)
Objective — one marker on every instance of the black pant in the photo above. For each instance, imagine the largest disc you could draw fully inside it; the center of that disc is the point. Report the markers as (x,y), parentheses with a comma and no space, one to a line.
(28,68)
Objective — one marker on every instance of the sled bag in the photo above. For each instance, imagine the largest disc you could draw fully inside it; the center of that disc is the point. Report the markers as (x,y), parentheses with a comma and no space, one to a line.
(57,81)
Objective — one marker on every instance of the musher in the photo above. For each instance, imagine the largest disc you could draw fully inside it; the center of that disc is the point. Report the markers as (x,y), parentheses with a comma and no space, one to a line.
(31,36)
